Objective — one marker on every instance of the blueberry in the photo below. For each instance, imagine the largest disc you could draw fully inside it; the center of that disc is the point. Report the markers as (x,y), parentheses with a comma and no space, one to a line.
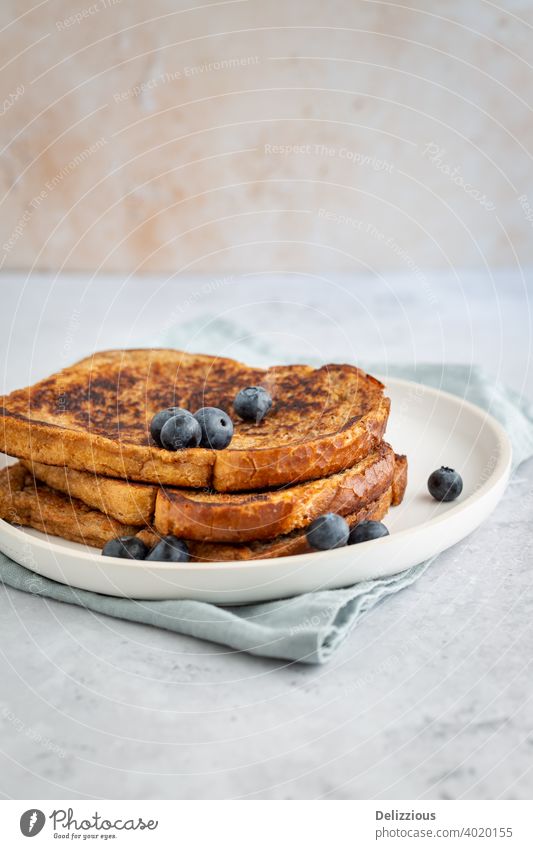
(181,431)
(132,548)
(445,484)
(216,427)
(367,530)
(160,419)
(252,404)
(328,531)
(169,549)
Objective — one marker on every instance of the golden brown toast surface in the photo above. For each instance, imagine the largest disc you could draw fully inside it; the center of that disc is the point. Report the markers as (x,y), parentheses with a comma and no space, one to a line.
(240,517)
(96,414)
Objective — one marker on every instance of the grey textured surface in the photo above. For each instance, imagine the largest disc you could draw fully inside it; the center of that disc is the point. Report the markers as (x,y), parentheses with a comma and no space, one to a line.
(431,697)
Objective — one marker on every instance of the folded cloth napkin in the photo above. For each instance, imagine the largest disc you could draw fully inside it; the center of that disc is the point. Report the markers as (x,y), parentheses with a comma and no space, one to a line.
(307,628)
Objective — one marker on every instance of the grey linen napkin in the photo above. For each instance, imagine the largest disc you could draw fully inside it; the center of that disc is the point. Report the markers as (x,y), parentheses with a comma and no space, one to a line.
(310,627)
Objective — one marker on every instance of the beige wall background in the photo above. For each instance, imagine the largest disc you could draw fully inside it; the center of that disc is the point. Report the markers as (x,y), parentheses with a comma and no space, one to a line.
(271,136)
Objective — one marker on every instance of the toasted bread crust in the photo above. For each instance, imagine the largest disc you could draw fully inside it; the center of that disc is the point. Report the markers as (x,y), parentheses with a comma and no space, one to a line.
(287,544)
(399,480)
(95,415)
(128,502)
(50,445)
(25,502)
(240,517)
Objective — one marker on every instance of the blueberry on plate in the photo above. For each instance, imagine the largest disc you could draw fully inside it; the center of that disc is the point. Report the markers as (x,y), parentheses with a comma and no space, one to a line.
(181,431)
(252,404)
(132,548)
(216,427)
(367,530)
(160,419)
(169,549)
(328,531)
(445,484)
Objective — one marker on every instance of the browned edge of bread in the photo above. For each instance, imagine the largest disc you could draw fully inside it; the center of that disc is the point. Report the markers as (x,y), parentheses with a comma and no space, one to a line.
(24,501)
(287,544)
(399,479)
(241,517)
(127,501)
(40,442)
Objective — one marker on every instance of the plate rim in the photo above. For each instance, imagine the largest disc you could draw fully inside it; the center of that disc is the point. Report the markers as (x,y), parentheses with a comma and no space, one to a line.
(500,473)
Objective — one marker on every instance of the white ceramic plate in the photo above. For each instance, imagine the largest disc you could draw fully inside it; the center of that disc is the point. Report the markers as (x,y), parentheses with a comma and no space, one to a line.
(433,428)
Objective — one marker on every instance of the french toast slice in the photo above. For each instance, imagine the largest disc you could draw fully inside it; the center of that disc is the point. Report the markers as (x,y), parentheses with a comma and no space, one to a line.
(285,544)
(240,517)
(296,541)
(25,501)
(95,416)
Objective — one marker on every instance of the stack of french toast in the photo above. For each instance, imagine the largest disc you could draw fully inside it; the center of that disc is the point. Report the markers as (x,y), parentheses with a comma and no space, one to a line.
(89,469)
